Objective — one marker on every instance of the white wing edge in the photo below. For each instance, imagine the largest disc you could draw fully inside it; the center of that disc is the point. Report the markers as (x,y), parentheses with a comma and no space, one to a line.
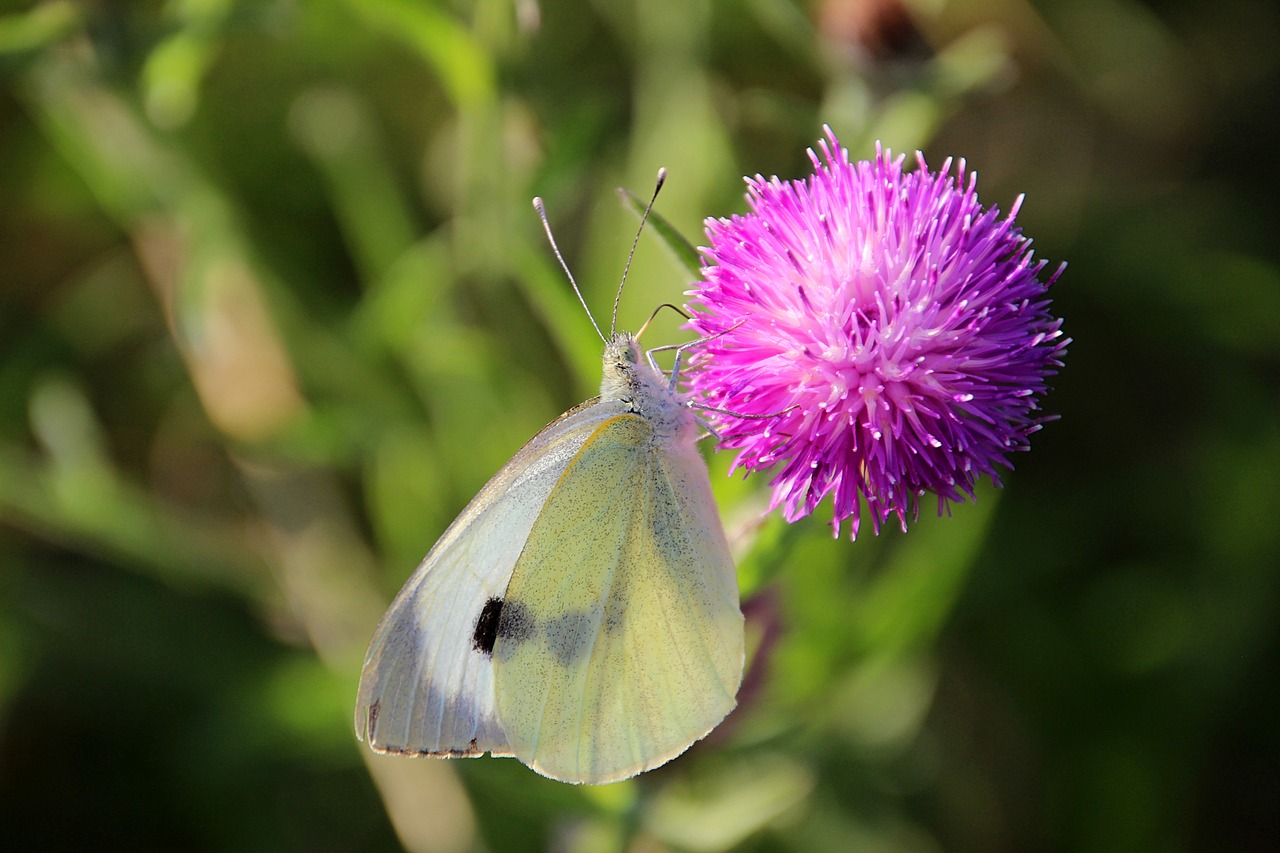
(425,689)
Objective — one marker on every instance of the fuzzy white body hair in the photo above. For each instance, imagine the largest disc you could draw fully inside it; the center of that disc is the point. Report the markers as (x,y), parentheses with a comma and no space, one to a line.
(629,379)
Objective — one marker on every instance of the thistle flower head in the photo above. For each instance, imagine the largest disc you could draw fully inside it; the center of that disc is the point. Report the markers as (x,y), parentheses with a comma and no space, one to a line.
(897,331)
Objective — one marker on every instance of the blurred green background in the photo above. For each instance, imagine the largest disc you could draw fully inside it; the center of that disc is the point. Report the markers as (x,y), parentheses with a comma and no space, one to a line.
(274,304)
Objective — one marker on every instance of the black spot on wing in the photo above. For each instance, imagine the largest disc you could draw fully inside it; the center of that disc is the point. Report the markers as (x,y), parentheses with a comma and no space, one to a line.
(571,635)
(486,633)
(615,610)
(515,625)
(516,622)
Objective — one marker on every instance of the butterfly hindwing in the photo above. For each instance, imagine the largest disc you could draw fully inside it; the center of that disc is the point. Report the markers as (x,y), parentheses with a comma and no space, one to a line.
(427,683)
(620,642)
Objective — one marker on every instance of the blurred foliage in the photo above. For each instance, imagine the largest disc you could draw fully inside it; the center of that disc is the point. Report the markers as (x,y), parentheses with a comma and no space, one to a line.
(274,306)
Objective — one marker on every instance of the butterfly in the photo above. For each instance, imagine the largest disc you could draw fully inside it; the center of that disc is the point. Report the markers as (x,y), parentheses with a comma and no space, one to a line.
(582,613)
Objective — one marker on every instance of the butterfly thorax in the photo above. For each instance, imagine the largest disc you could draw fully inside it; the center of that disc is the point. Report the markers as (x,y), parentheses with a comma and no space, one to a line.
(630,380)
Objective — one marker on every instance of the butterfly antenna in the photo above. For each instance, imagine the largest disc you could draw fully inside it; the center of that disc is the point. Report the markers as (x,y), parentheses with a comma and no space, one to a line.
(675,308)
(662,177)
(546,226)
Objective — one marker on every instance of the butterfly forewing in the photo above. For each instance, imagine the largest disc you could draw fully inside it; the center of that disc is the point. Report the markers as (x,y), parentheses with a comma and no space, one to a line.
(427,683)
(620,642)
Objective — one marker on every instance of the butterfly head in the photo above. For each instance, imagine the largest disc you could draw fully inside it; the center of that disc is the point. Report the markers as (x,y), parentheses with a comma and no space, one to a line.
(630,379)
(621,361)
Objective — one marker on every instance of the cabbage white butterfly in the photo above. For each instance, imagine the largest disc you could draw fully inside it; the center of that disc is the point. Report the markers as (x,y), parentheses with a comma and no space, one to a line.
(581,614)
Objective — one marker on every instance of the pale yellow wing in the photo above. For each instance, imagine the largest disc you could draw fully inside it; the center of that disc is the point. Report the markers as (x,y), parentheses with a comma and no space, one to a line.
(620,641)
(427,683)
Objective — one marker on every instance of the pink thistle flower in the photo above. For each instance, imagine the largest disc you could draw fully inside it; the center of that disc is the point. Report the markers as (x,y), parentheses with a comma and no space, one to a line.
(902,330)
